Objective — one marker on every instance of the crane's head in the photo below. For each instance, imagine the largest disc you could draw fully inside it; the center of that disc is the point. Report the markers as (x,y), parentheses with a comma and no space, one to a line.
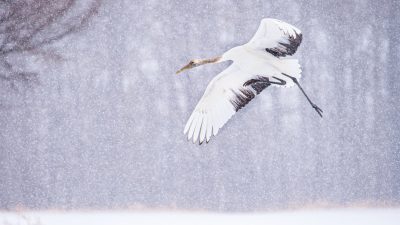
(192,64)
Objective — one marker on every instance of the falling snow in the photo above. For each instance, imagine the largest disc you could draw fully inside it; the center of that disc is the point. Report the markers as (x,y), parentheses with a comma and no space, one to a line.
(103,126)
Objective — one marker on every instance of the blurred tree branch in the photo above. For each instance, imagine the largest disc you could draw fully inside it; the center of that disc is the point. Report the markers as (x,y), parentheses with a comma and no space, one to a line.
(26,26)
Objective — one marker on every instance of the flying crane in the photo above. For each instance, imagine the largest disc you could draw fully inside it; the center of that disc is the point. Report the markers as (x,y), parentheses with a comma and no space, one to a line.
(256,65)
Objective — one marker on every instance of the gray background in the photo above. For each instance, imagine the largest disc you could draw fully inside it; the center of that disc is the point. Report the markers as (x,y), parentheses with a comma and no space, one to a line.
(104,127)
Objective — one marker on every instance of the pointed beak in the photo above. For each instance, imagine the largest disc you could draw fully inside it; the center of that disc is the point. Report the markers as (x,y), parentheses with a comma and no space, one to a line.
(188,66)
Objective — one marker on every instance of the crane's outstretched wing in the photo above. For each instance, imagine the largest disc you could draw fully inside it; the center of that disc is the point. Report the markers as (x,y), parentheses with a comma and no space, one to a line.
(228,92)
(276,37)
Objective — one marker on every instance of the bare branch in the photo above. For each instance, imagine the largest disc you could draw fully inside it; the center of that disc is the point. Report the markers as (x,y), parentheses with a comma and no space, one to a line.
(26,26)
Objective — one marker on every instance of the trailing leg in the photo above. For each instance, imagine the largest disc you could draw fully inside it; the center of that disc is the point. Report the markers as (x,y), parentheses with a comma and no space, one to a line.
(317,109)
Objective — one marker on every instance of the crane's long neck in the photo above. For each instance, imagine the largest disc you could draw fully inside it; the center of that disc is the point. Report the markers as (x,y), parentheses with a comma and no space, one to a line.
(199,62)
(211,60)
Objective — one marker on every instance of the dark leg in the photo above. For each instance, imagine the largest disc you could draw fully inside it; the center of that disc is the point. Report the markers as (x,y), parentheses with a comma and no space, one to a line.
(281,82)
(319,111)
(265,80)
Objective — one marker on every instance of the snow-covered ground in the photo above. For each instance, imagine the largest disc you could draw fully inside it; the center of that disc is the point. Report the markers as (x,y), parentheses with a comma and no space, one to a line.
(302,217)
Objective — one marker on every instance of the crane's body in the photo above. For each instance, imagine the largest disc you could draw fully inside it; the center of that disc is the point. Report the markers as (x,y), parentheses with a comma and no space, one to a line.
(258,64)
(251,61)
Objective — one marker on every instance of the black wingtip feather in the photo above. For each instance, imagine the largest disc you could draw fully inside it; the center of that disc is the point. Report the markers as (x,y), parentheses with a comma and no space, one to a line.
(284,49)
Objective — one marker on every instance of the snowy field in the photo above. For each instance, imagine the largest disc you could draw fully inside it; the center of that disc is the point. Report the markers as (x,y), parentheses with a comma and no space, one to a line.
(302,217)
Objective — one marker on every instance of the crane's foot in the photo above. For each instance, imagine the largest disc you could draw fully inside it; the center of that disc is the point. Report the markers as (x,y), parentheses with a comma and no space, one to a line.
(318,109)
(294,79)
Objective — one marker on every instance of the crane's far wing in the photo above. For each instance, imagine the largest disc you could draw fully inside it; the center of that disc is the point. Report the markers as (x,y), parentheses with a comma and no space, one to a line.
(228,92)
(276,37)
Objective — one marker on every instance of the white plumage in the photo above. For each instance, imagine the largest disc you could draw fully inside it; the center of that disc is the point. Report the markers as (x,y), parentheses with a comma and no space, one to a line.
(256,65)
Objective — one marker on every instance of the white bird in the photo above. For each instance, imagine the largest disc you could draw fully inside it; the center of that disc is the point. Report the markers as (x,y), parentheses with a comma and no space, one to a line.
(256,65)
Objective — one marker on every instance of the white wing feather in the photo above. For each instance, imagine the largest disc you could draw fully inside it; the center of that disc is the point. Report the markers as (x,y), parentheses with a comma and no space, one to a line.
(215,108)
